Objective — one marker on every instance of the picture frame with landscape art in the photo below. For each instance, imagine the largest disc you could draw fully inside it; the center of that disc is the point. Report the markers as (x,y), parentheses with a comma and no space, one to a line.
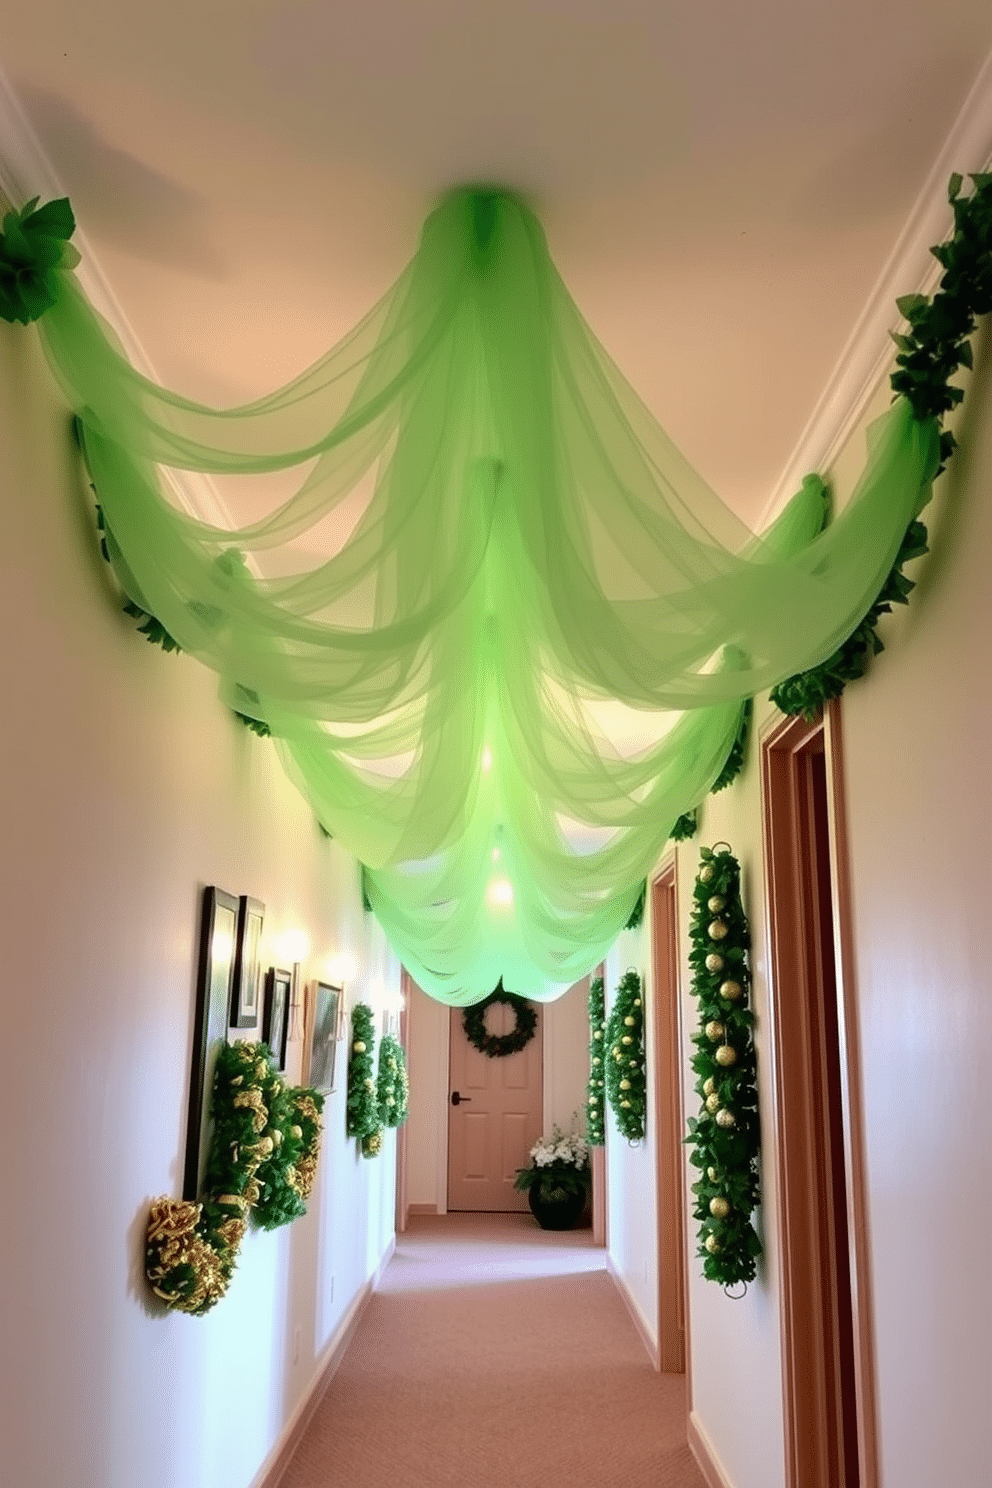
(275,1028)
(323,1032)
(247,964)
(214,985)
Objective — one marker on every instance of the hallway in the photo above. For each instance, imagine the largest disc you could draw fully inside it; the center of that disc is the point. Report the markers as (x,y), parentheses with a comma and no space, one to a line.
(496,1353)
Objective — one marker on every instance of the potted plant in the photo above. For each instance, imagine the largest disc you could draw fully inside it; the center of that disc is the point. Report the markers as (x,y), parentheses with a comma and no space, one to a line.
(556,1180)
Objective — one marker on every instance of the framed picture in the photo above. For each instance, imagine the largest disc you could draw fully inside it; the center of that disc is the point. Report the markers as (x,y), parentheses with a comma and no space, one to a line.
(247,964)
(323,1024)
(275,1028)
(214,984)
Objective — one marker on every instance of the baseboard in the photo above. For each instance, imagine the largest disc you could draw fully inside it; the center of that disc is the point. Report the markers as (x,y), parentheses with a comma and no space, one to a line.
(270,1473)
(707,1461)
(421,1208)
(636,1315)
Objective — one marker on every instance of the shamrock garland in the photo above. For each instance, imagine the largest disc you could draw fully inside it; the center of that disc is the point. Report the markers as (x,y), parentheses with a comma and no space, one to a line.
(495,1045)
(393,1086)
(936,346)
(725,1135)
(595,1105)
(624,1041)
(362,1110)
(191,1249)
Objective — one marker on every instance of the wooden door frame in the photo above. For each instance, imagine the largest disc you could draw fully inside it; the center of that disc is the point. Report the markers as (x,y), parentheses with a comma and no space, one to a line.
(673,1287)
(805,1398)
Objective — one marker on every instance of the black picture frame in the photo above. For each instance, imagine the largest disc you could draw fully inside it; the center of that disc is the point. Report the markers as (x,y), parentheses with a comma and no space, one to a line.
(214,983)
(246,995)
(323,1032)
(275,1027)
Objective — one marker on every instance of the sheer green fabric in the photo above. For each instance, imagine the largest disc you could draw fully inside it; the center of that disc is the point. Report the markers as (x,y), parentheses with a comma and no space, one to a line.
(534,566)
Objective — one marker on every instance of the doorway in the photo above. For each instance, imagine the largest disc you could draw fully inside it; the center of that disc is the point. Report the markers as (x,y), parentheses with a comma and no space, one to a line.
(672,1278)
(495,1114)
(826,1331)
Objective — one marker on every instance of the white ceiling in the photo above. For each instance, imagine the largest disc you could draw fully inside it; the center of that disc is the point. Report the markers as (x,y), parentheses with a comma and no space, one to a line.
(720,183)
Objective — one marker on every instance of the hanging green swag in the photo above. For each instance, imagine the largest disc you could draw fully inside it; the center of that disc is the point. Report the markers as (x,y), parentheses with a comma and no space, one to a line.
(532,545)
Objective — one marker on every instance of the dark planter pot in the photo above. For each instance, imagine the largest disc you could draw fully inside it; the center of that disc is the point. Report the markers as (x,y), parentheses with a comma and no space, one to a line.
(556,1214)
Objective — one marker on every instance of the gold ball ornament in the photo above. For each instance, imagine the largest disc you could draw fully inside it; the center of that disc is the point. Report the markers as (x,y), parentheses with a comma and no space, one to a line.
(712,1102)
(726,1118)
(715,904)
(714,1031)
(726,1055)
(719,1208)
(358,1046)
(717,930)
(593,1099)
(708,1085)
(712,1244)
(705,873)
(626,1039)
(714,961)
(629,1022)
(712,1174)
(596,1059)
(637,1002)
(598,1033)
(625,1102)
(624,1084)
(731,990)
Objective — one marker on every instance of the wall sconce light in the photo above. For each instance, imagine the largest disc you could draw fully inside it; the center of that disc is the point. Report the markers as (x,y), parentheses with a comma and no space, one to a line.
(293,947)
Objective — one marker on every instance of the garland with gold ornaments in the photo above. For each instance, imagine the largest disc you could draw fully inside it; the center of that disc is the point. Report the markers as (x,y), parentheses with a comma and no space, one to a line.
(596,1102)
(362,1110)
(191,1248)
(625,1078)
(393,1086)
(725,1136)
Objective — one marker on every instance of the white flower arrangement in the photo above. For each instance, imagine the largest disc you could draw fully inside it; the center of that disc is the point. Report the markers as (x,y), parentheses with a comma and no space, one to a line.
(563,1156)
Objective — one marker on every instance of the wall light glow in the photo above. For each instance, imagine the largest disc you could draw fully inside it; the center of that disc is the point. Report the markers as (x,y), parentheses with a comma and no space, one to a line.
(501,891)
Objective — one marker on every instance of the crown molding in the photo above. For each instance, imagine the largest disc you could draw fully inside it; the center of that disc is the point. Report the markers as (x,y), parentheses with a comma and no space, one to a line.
(25,172)
(910,268)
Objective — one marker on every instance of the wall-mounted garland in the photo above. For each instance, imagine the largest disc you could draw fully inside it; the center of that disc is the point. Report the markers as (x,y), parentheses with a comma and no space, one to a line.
(625,1076)
(393,1086)
(725,1136)
(596,1100)
(191,1249)
(362,1110)
(930,354)
(495,1045)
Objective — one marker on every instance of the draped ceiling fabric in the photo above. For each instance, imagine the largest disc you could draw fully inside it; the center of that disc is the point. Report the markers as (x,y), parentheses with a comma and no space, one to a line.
(533,558)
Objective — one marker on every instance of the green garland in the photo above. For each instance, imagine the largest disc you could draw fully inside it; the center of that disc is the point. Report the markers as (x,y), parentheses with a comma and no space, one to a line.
(624,1042)
(191,1249)
(684,828)
(34,245)
(637,913)
(725,1136)
(393,1086)
(596,1103)
(932,352)
(734,763)
(362,1110)
(493,1045)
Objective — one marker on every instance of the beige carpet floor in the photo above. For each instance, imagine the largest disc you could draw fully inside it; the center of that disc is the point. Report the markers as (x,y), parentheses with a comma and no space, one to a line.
(496,1355)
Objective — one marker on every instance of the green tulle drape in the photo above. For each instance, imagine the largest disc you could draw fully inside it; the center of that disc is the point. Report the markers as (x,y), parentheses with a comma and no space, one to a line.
(531,552)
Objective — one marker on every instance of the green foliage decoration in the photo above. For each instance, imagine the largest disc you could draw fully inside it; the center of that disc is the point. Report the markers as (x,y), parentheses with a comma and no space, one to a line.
(725,1136)
(362,1110)
(191,1248)
(596,1098)
(496,1045)
(931,353)
(624,1056)
(393,1085)
(34,245)
(684,828)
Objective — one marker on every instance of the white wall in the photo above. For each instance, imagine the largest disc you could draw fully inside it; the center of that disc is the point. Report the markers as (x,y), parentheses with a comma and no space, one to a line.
(125,787)
(916,747)
(632,1169)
